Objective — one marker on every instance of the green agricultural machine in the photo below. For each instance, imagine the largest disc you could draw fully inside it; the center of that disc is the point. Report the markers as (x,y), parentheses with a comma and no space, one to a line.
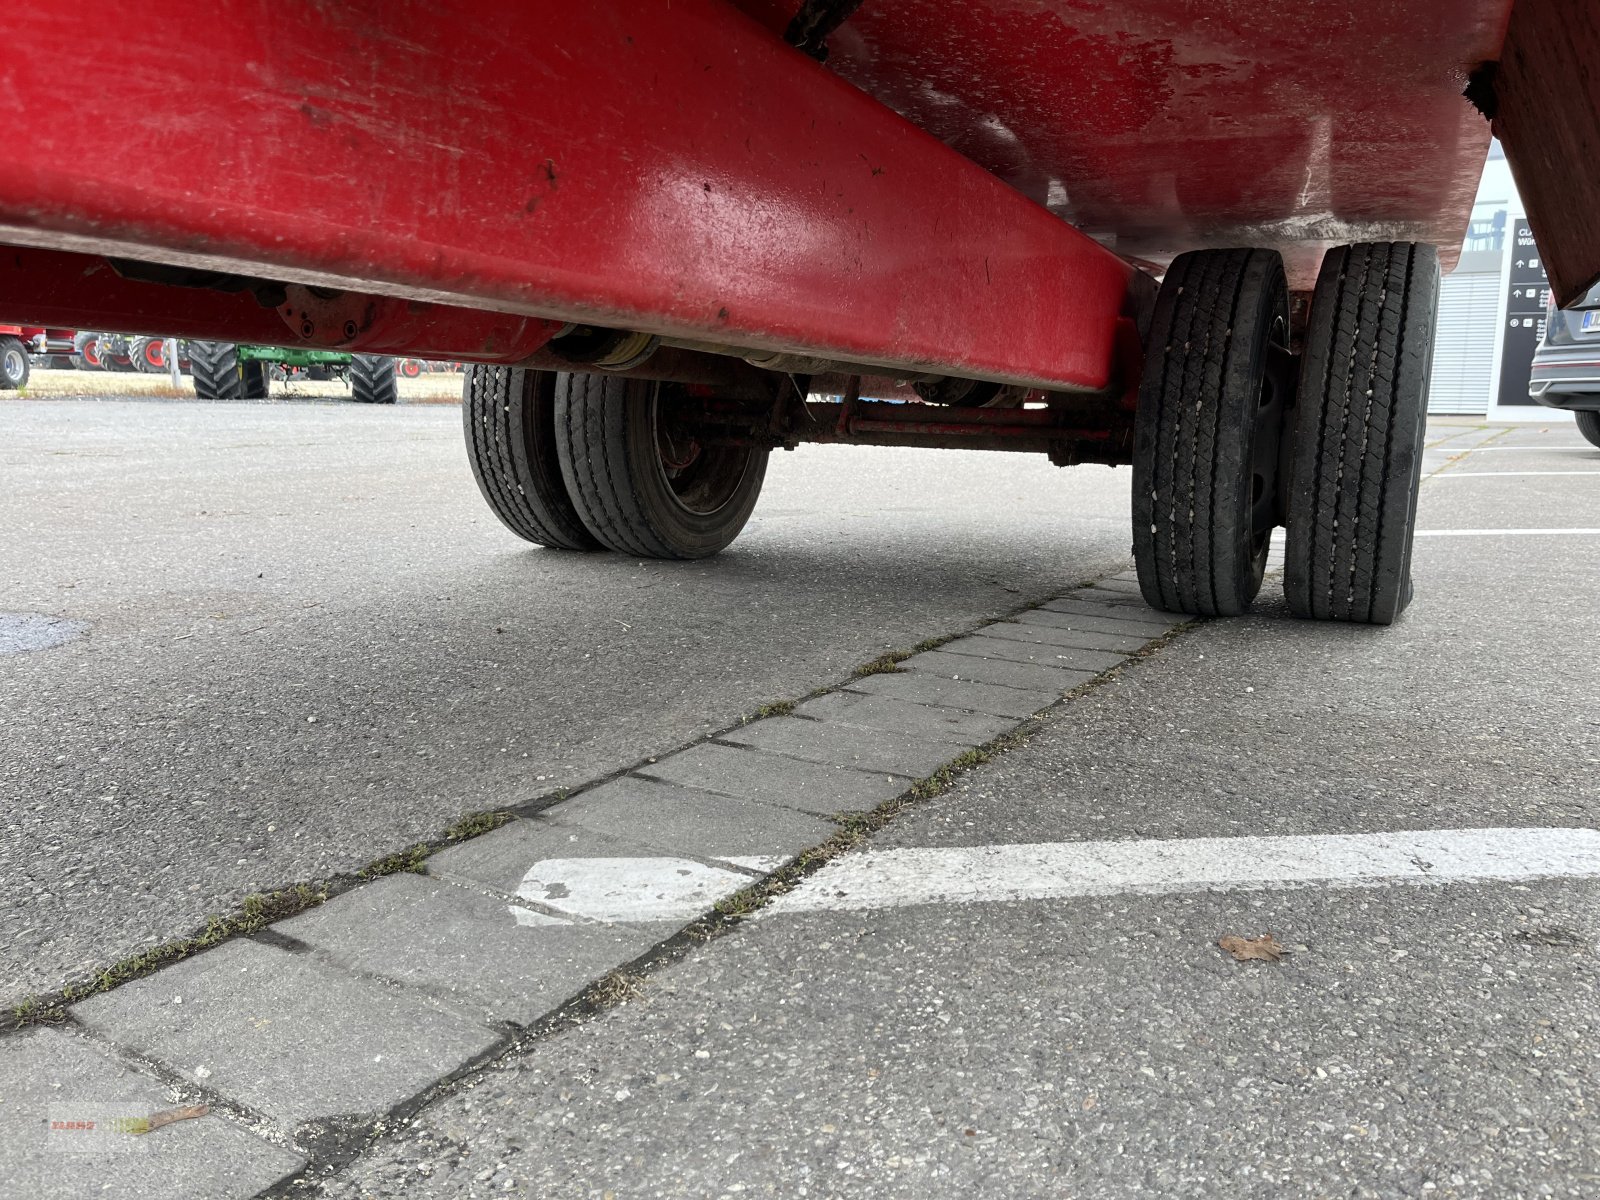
(227,371)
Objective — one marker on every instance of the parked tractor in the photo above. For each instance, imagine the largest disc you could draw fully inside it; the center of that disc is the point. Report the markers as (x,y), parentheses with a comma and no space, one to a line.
(231,371)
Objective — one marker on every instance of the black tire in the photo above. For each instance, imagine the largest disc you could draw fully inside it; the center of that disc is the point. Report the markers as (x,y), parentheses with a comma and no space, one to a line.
(14,364)
(1356,457)
(508,416)
(372,380)
(1207,431)
(1589,426)
(219,375)
(613,443)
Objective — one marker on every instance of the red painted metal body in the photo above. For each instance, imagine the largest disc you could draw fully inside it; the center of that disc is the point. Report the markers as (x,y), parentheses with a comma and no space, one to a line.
(662,166)
(1171,125)
(672,167)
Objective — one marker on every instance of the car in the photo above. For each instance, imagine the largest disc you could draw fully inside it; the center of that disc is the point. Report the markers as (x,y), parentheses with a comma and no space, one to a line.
(1566,365)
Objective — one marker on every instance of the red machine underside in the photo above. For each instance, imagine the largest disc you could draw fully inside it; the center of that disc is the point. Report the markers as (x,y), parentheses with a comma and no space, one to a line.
(673,167)
(1161,126)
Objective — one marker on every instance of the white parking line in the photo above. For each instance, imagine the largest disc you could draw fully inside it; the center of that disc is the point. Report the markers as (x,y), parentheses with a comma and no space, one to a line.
(1502,474)
(1586,532)
(1060,870)
(1529,449)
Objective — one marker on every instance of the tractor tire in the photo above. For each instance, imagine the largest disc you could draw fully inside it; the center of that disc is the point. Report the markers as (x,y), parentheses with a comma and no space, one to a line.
(372,380)
(1208,429)
(1589,426)
(86,352)
(148,355)
(641,484)
(1356,458)
(14,365)
(219,374)
(508,415)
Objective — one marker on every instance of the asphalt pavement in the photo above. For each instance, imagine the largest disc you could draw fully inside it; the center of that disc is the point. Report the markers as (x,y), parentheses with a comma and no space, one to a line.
(1429,1030)
(1248,908)
(294,640)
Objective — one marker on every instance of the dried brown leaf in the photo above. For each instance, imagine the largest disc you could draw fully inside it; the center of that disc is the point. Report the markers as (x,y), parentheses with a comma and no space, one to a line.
(167,1116)
(1265,948)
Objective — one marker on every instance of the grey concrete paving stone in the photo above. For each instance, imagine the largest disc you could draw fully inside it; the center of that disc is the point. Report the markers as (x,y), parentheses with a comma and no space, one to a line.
(478,952)
(500,860)
(923,687)
(54,1075)
(905,716)
(288,1037)
(1109,608)
(691,821)
(809,787)
(1030,652)
(1076,637)
(1125,582)
(846,745)
(1128,602)
(1102,621)
(1000,672)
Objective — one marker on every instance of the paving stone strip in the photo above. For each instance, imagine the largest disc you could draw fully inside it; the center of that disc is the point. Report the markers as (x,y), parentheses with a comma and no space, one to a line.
(302,1036)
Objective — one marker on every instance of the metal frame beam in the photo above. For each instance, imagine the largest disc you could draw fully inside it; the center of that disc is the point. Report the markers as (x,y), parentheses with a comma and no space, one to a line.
(666,166)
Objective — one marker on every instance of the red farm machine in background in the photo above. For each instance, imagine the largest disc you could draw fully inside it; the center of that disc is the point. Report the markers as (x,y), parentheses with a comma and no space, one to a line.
(19,343)
(1200,240)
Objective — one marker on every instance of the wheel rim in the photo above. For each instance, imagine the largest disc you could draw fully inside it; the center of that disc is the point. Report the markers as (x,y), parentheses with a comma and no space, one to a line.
(14,363)
(700,479)
(155,355)
(91,353)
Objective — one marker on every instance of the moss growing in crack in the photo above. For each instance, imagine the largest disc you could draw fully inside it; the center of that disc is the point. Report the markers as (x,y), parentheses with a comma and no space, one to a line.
(932,643)
(778,708)
(475,824)
(884,664)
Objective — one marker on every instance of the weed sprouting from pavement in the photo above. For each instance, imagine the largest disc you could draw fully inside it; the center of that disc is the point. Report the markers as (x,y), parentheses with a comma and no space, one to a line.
(413,858)
(779,708)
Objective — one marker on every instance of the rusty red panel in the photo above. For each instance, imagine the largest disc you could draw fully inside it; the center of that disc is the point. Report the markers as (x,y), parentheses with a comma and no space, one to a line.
(1172,125)
(662,165)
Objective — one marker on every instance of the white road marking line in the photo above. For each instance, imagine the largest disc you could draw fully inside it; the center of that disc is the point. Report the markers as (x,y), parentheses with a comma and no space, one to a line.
(1501,474)
(628,889)
(533,917)
(1528,449)
(1505,532)
(1060,870)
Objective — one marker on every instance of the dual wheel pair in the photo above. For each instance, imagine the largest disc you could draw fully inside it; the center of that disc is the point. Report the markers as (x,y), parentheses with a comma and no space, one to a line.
(586,461)
(1234,438)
